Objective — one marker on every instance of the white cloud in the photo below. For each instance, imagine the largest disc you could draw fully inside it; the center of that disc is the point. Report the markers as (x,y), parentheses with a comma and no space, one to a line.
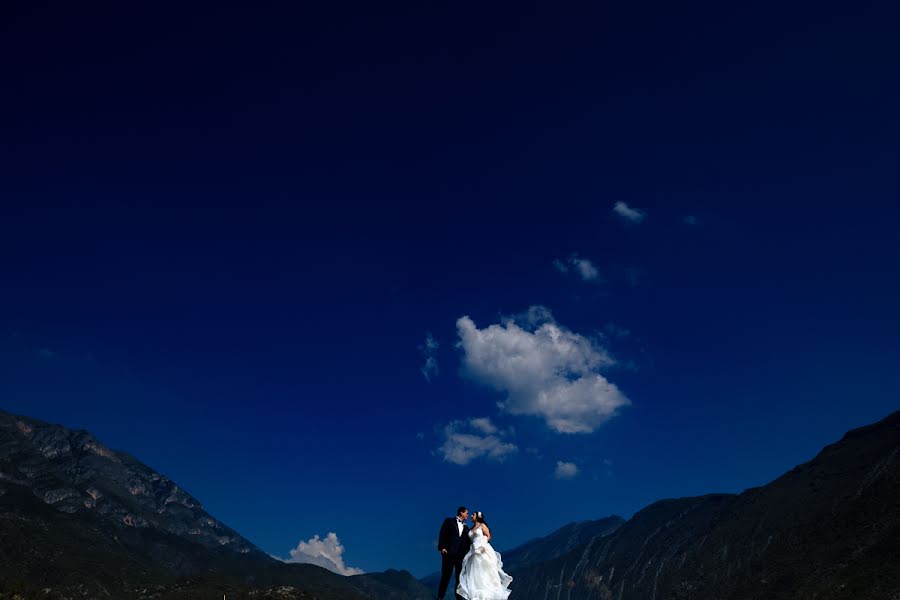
(586,269)
(484,425)
(632,215)
(565,470)
(534,316)
(691,220)
(464,441)
(430,368)
(429,350)
(582,266)
(544,370)
(327,552)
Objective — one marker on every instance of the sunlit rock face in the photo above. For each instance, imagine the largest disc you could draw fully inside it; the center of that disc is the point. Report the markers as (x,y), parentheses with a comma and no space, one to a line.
(829,528)
(75,473)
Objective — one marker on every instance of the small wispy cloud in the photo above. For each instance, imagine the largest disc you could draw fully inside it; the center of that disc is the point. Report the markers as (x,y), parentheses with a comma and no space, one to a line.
(691,220)
(583,267)
(47,353)
(632,215)
(616,331)
(464,441)
(608,463)
(565,470)
(484,425)
(534,316)
(327,552)
(429,350)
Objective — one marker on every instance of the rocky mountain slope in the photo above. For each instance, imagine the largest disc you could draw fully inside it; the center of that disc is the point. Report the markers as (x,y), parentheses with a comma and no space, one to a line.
(76,474)
(80,520)
(827,529)
(559,543)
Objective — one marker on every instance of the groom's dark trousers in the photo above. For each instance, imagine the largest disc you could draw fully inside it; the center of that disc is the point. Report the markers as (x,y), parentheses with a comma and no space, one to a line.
(456,545)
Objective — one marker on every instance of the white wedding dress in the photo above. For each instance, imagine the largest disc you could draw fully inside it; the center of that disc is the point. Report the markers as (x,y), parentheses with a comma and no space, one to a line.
(482,576)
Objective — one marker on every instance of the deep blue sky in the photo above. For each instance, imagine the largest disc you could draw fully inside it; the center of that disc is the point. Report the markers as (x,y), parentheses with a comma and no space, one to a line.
(226,234)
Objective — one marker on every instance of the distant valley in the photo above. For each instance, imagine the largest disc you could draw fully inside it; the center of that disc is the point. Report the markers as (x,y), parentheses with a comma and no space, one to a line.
(80,520)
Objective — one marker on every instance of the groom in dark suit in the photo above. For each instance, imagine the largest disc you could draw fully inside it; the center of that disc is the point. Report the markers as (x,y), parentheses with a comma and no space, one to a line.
(453,543)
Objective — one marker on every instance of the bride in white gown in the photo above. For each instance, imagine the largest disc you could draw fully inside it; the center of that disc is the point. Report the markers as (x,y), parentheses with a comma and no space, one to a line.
(482,576)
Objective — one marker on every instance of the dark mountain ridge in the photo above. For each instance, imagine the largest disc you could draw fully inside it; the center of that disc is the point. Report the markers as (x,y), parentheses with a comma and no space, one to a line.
(84,521)
(560,542)
(829,528)
(76,474)
(79,520)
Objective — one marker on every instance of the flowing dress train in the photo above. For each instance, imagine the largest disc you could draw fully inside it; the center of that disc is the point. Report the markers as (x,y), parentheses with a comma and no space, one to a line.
(482,576)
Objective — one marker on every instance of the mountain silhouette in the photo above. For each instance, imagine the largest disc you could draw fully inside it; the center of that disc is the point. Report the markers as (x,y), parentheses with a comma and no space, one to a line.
(827,529)
(81,520)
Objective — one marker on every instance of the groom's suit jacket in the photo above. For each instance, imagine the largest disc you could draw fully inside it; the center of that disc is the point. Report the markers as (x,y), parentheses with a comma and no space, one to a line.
(450,539)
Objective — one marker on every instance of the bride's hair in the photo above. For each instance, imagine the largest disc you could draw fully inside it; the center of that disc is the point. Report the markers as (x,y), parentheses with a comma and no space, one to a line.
(479,517)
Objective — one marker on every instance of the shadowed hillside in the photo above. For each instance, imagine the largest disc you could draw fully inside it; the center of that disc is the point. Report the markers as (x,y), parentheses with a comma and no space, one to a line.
(827,529)
(80,520)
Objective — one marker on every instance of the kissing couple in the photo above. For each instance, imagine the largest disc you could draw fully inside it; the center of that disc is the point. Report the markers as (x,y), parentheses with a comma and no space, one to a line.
(479,569)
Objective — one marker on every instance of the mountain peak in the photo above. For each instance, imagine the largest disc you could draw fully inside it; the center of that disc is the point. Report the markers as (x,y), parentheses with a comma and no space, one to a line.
(891,421)
(74,472)
(826,528)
